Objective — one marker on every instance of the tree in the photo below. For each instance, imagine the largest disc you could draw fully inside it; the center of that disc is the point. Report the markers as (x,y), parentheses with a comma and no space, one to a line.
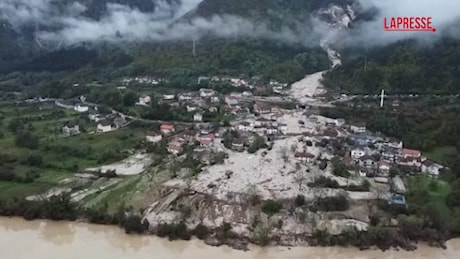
(129,99)
(299,201)
(26,139)
(201,231)
(300,179)
(259,143)
(33,160)
(271,207)
(134,224)
(339,169)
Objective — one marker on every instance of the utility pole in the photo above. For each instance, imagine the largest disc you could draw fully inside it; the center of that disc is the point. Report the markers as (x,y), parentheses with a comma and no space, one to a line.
(382,97)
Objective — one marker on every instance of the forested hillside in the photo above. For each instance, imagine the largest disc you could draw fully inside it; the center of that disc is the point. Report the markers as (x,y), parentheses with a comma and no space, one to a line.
(403,67)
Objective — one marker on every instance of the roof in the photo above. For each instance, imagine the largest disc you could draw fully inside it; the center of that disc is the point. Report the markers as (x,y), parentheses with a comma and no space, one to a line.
(359,124)
(210,136)
(411,152)
(177,139)
(190,132)
(367,157)
(390,150)
(105,123)
(383,164)
(153,133)
(303,155)
(428,163)
(206,141)
(175,147)
(331,133)
(166,127)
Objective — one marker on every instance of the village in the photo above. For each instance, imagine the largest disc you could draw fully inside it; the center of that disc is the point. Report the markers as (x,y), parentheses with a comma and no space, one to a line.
(299,134)
(239,145)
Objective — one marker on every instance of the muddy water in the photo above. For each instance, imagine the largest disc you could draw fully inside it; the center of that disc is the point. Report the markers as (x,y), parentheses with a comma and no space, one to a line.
(46,239)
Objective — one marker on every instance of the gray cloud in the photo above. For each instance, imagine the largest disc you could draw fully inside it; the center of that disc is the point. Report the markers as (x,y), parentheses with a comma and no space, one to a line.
(122,23)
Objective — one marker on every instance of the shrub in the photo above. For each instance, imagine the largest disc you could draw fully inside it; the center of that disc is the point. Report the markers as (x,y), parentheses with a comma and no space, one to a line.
(201,231)
(339,203)
(254,200)
(271,207)
(324,182)
(134,224)
(364,186)
(299,201)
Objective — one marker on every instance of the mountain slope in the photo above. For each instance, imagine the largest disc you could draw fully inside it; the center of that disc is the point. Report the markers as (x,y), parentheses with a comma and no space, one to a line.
(403,67)
(22,51)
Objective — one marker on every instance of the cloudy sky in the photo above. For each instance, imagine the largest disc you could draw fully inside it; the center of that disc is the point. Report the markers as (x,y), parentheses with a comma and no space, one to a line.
(122,23)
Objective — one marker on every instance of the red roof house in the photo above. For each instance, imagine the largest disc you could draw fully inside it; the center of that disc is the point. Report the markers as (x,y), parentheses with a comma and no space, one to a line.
(409,153)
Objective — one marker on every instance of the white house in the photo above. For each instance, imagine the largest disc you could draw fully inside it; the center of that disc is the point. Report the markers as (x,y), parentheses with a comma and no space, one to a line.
(272,130)
(245,126)
(231,101)
(185,97)
(409,161)
(198,117)
(384,167)
(153,137)
(339,122)
(70,130)
(144,100)
(390,154)
(191,108)
(104,127)
(358,128)
(238,144)
(169,97)
(357,153)
(175,149)
(80,108)
(304,156)
(367,162)
(204,92)
(431,168)
(215,99)
(203,78)
(96,117)
(394,143)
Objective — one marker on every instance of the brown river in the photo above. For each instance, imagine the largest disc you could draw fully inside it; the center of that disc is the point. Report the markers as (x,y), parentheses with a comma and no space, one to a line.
(47,239)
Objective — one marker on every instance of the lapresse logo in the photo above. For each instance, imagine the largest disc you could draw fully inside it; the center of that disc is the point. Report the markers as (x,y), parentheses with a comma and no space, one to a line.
(408,24)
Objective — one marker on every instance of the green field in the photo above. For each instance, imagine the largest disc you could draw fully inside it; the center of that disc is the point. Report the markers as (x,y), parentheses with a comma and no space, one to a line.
(444,155)
(59,157)
(423,190)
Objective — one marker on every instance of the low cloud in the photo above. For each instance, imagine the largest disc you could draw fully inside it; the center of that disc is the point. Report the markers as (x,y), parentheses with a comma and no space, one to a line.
(67,23)
(122,23)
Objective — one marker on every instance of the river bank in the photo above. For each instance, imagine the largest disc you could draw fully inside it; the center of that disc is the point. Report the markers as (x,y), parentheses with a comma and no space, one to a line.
(48,239)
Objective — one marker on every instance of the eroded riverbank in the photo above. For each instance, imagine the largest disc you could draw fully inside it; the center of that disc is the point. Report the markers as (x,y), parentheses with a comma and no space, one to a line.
(47,239)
